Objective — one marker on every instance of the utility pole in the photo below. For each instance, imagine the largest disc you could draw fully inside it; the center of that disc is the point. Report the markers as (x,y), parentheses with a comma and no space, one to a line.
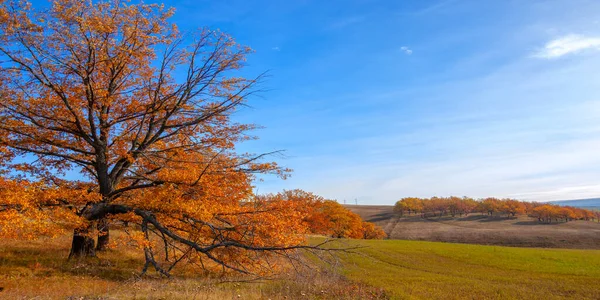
(356,201)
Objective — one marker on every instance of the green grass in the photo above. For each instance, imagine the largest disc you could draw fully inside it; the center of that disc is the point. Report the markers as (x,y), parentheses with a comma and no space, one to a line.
(389,268)
(431,270)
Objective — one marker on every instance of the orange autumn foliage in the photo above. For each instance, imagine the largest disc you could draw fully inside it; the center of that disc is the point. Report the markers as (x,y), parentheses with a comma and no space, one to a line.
(21,216)
(328,217)
(372,231)
(453,206)
(111,91)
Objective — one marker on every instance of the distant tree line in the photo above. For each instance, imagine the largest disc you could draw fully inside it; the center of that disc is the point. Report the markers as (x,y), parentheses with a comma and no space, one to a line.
(457,206)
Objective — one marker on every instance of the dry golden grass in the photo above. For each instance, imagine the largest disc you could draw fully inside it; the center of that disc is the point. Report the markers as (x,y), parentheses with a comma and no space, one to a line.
(40,270)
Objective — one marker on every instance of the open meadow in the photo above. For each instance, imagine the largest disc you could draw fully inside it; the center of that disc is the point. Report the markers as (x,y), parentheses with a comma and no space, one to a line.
(433,270)
(378,269)
(40,270)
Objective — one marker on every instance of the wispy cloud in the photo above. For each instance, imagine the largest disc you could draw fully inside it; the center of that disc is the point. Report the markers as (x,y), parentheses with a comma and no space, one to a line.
(276,48)
(573,192)
(434,7)
(517,132)
(471,115)
(406,50)
(569,44)
(345,22)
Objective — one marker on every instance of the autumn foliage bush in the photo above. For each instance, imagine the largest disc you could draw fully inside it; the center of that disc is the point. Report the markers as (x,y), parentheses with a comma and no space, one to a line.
(328,217)
(455,206)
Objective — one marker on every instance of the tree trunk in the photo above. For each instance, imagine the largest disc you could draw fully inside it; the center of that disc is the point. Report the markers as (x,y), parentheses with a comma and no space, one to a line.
(82,245)
(103,235)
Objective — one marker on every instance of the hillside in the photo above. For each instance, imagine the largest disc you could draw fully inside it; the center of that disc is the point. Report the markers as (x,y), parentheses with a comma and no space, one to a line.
(478,229)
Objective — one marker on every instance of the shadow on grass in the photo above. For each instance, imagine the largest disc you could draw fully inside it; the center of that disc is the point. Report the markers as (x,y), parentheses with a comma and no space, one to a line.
(381,217)
(473,218)
(495,219)
(535,222)
(41,262)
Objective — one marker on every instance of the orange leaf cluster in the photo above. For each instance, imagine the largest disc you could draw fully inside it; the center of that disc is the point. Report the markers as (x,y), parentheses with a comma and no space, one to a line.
(31,210)
(328,217)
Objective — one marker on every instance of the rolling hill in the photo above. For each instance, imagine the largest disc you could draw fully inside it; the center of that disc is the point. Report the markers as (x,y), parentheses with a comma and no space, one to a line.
(480,229)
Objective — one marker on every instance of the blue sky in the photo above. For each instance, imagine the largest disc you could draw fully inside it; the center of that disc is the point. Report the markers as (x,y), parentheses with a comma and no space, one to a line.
(379,100)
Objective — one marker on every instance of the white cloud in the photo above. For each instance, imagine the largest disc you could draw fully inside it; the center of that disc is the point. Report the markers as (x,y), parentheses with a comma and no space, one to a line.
(406,50)
(570,192)
(568,44)
(276,48)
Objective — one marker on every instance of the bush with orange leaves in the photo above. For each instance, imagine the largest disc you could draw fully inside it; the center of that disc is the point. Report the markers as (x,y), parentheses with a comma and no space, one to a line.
(327,217)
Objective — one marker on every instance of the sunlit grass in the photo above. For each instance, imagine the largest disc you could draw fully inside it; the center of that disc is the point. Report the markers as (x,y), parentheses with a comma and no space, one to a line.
(40,270)
(413,269)
(402,269)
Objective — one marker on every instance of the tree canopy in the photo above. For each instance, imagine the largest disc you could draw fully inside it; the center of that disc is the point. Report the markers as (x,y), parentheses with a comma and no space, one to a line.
(113,92)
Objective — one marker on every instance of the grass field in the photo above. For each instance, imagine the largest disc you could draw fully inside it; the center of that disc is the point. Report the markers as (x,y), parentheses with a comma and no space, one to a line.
(40,270)
(377,270)
(432,270)
(480,229)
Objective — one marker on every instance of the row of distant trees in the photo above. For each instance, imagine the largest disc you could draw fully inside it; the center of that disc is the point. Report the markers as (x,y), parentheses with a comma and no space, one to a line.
(457,206)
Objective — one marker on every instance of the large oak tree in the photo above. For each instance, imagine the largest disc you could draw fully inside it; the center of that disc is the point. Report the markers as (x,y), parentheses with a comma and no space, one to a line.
(142,111)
